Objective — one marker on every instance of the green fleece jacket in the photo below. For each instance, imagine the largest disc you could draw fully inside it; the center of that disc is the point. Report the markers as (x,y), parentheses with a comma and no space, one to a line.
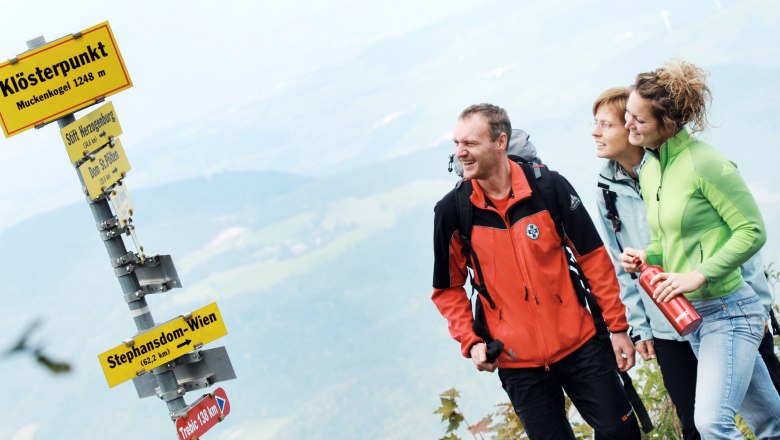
(701,214)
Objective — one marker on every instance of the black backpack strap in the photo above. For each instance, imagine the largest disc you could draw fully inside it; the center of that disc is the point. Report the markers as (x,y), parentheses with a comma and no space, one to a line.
(466,222)
(773,320)
(540,177)
(613,216)
(465,211)
(609,202)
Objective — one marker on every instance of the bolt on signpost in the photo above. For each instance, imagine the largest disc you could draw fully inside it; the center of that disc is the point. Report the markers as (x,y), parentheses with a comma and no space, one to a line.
(49,83)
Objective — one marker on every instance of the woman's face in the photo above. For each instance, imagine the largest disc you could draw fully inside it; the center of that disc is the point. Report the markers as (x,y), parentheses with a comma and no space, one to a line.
(643,128)
(610,135)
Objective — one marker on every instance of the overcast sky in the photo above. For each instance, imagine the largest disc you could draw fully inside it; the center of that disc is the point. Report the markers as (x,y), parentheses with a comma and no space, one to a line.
(196,66)
(208,70)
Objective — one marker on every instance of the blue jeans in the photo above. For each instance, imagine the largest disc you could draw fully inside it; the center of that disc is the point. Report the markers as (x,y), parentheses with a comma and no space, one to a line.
(731,375)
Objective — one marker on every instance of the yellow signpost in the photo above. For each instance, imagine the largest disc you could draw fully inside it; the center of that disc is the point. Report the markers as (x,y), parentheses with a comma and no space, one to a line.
(50,83)
(90,132)
(108,165)
(60,78)
(162,344)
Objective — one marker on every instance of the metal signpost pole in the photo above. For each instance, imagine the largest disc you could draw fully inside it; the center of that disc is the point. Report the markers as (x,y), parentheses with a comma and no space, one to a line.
(168,359)
(111,233)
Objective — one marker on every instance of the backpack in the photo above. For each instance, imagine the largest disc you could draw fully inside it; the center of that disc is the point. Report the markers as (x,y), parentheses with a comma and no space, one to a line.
(540,178)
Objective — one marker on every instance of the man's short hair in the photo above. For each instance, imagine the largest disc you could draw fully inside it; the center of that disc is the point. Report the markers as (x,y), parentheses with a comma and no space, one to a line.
(497,119)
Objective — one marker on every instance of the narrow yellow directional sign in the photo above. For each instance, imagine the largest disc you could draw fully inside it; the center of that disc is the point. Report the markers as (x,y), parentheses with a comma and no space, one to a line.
(162,344)
(90,132)
(108,165)
(59,78)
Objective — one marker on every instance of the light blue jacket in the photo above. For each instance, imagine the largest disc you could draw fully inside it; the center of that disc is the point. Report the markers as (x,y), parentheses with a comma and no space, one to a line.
(646,320)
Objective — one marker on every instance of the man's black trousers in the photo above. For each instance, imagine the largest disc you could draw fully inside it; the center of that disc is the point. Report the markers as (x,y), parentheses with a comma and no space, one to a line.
(592,384)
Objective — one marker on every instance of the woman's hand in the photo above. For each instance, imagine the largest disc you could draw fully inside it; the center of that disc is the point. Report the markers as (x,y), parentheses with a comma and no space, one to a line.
(646,349)
(627,259)
(670,284)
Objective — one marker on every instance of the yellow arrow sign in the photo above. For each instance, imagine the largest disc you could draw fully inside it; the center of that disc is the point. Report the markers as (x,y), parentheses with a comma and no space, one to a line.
(107,166)
(59,78)
(90,132)
(162,344)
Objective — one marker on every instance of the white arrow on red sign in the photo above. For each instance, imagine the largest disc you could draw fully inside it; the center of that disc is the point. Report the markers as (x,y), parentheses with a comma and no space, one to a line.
(203,414)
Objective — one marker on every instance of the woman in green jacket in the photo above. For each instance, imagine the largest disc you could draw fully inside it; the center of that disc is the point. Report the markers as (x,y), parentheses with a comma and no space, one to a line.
(704,224)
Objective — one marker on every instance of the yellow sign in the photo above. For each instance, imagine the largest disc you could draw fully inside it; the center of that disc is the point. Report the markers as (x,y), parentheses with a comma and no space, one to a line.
(59,78)
(90,132)
(106,167)
(162,344)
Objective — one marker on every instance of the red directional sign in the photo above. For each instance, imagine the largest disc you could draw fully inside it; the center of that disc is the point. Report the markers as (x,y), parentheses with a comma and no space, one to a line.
(203,414)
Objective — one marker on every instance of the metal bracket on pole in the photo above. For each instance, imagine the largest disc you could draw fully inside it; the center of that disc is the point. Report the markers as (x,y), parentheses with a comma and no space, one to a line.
(110,229)
(13,60)
(135,296)
(77,35)
(157,274)
(173,394)
(124,270)
(196,370)
(125,259)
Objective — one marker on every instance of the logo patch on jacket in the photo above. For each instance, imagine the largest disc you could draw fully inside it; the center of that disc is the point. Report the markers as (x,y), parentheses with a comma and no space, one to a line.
(532,231)
(575,202)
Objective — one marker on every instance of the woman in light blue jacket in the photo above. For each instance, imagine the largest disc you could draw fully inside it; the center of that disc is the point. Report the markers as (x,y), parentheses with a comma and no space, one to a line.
(623,219)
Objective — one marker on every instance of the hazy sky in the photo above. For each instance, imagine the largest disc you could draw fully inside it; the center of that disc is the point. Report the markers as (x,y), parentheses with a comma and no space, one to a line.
(350,81)
(206,71)
(196,67)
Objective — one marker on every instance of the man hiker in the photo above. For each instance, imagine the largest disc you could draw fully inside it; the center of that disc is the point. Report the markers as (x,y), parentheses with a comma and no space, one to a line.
(531,320)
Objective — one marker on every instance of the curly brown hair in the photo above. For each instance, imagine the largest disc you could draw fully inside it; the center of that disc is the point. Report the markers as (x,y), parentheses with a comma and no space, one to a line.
(679,95)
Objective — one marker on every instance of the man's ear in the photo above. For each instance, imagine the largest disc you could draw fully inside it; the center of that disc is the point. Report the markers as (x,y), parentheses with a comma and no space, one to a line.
(502,141)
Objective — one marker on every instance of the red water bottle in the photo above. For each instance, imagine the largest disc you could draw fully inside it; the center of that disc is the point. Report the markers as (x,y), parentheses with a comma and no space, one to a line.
(679,311)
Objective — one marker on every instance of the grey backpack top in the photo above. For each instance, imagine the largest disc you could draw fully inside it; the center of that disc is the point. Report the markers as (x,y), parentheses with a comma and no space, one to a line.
(519,146)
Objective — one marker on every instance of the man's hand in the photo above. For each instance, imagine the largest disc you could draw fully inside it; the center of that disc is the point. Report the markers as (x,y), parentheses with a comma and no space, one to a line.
(479,356)
(624,351)
(646,349)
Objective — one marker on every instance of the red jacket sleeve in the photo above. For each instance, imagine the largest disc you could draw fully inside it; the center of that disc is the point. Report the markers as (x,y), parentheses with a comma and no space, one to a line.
(600,273)
(454,305)
(449,276)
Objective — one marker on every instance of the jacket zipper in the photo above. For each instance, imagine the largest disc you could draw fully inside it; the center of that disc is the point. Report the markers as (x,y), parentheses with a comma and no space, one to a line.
(521,264)
(662,167)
